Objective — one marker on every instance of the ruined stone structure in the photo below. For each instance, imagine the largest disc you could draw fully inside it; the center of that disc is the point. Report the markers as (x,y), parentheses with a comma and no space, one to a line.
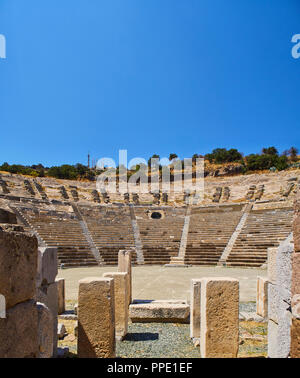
(96,318)
(27,328)
(219,326)
(89,227)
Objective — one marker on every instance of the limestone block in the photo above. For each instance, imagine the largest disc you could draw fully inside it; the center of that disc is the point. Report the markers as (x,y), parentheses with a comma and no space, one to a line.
(96,323)
(121,302)
(219,329)
(195,308)
(124,265)
(272,339)
(47,265)
(262,297)
(295,338)
(18,265)
(18,331)
(273,300)
(296,274)
(272,270)
(296,225)
(49,296)
(159,312)
(284,264)
(61,295)
(45,331)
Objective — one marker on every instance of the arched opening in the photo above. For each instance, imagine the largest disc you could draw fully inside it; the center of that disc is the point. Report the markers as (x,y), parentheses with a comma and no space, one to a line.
(156,215)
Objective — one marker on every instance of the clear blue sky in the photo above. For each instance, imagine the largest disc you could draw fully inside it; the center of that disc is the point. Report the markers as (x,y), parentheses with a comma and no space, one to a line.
(149,76)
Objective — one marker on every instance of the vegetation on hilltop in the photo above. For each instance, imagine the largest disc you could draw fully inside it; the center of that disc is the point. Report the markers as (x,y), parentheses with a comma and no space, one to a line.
(268,159)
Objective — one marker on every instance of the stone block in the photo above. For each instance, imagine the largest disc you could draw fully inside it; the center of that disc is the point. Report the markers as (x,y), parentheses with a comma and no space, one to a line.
(47,265)
(121,302)
(296,224)
(219,330)
(96,323)
(124,265)
(18,331)
(262,297)
(272,339)
(284,264)
(295,338)
(295,274)
(45,331)
(195,308)
(273,300)
(272,270)
(18,265)
(61,295)
(48,295)
(159,312)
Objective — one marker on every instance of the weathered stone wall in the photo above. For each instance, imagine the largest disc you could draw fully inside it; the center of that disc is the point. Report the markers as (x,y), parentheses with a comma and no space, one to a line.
(295,291)
(18,265)
(279,297)
(26,326)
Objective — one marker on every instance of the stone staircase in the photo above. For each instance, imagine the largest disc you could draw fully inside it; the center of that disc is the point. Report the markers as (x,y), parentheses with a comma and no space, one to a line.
(61,231)
(161,236)
(209,232)
(111,230)
(263,229)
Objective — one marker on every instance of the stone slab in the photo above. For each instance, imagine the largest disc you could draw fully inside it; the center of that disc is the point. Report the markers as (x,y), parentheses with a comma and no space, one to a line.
(272,269)
(195,308)
(18,331)
(45,331)
(159,312)
(47,265)
(61,295)
(219,331)
(121,302)
(96,322)
(18,265)
(295,338)
(262,297)
(125,265)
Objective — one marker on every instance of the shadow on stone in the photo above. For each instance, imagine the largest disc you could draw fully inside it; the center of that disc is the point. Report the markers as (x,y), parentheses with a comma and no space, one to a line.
(146,336)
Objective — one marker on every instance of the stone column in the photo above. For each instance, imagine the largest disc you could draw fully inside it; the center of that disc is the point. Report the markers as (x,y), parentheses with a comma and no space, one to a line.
(96,319)
(47,288)
(219,329)
(262,297)
(195,308)
(279,297)
(295,290)
(124,265)
(61,295)
(121,302)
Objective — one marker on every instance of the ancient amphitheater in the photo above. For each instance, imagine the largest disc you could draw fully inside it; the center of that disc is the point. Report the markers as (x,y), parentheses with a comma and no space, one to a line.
(239,218)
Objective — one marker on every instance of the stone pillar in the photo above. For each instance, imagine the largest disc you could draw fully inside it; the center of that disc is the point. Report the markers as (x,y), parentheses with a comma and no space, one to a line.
(18,265)
(279,297)
(96,319)
(47,288)
(262,297)
(121,302)
(219,329)
(195,308)
(295,290)
(124,265)
(61,295)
